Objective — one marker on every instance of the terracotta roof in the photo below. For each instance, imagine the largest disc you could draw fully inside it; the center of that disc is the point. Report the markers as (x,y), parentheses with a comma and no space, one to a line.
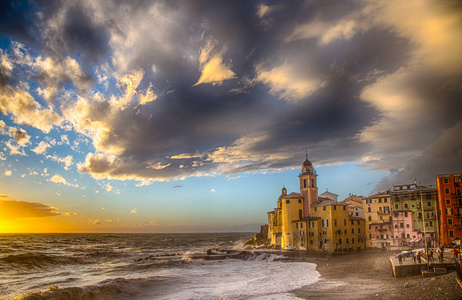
(325,201)
(293,195)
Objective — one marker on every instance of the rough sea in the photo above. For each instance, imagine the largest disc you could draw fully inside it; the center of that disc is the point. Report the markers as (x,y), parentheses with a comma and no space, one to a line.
(143,266)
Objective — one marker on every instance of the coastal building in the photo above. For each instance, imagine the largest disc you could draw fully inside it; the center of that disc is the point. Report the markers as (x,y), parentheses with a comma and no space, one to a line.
(450,202)
(355,206)
(314,222)
(415,212)
(377,215)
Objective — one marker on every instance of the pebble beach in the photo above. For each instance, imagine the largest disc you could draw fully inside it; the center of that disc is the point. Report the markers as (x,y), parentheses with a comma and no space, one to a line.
(368,275)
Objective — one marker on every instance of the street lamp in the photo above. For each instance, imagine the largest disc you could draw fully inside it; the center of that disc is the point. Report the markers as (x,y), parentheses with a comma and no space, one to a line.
(423,223)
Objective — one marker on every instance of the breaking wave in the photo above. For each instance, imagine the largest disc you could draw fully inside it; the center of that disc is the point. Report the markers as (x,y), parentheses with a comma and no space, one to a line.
(39,261)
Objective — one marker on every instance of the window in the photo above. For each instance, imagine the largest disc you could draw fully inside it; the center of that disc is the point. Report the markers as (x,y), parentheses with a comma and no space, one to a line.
(335,222)
(450,221)
(376,227)
(325,223)
(380,200)
(347,240)
(352,222)
(448,211)
(315,209)
(339,241)
(287,201)
(335,207)
(446,191)
(352,240)
(344,207)
(344,222)
(431,223)
(407,235)
(448,201)
(451,233)
(385,200)
(324,208)
(396,206)
(352,230)
(301,225)
(401,225)
(429,203)
(304,183)
(368,209)
(312,183)
(406,206)
(296,225)
(299,200)
(346,231)
(407,225)
(370,218)
(359,230)
(445,180)
(405,215)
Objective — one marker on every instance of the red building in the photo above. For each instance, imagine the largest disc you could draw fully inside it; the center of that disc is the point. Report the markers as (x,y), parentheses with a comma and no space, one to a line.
(450,200)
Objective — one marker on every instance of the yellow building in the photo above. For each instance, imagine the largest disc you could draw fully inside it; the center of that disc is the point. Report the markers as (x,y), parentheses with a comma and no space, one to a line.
(314,223)
(377,213)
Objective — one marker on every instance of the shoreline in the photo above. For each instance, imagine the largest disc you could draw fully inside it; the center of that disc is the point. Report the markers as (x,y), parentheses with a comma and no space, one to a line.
(368,275)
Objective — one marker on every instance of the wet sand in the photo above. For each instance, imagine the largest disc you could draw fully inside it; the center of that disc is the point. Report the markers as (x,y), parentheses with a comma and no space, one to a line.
(368,275)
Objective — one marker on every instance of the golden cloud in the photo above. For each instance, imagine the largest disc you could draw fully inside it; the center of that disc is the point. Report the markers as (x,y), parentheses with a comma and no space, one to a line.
(11,209)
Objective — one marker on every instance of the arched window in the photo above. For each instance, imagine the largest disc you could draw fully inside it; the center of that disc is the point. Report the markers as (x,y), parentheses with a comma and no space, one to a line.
(300,214)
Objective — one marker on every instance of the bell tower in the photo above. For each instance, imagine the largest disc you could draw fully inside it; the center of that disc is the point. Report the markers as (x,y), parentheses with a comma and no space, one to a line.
(308,186)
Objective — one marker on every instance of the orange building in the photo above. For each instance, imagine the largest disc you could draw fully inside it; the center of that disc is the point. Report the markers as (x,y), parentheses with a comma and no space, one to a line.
(450,201)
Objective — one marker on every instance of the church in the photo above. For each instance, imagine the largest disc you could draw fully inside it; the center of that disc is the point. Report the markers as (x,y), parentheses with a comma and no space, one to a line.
(312,222)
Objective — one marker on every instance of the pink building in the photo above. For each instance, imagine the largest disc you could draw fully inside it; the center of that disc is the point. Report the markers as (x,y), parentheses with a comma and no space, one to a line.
(381,234)
(403,228)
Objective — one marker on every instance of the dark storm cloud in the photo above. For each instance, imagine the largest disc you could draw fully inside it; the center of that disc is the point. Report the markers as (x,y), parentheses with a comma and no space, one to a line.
(242,86)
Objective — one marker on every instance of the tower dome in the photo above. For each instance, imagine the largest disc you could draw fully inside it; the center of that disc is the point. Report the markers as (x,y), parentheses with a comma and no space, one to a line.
(307,163)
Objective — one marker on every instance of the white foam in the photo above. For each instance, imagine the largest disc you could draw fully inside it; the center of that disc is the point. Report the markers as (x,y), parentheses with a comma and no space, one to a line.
(231,279)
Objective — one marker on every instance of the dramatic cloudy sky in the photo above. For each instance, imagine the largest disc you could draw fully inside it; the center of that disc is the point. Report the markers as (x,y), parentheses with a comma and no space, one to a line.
(192,115)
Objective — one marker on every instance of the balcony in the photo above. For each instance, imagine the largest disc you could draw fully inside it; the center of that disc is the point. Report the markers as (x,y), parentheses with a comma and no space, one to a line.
(385,212)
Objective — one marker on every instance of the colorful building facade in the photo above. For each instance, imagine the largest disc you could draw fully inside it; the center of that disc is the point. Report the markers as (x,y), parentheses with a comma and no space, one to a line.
(312,222)
(450,202)
(377,215)
(415,213)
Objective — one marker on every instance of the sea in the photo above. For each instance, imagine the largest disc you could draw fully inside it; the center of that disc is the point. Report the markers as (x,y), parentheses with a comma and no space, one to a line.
(144,266)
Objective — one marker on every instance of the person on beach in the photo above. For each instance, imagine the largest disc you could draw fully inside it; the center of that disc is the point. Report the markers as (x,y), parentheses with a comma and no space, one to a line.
(440,254)
(454,251)
(419,259)
(414,257)
(400,259)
